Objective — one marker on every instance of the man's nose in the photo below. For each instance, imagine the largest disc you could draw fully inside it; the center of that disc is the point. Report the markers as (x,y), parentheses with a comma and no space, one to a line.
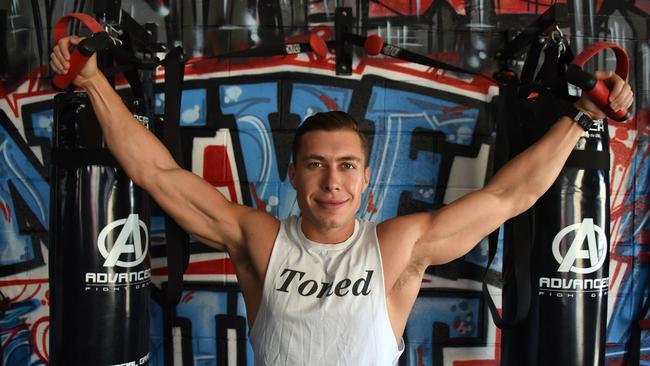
(331,180)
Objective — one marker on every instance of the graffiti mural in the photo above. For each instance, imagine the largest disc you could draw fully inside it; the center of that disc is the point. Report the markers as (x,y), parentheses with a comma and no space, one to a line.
(431,135)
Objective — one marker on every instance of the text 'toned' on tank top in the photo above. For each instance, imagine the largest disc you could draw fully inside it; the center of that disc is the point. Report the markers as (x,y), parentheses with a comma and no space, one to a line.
(324,304)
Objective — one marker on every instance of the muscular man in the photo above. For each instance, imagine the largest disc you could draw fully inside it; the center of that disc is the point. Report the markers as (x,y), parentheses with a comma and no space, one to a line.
(325,288)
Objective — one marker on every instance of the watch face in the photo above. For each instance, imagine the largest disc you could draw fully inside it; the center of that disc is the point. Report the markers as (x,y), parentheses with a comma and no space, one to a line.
(584,121)
(578,115)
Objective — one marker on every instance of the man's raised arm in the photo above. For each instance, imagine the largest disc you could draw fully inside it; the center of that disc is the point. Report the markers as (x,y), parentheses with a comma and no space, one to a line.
(451,232)
(197,206)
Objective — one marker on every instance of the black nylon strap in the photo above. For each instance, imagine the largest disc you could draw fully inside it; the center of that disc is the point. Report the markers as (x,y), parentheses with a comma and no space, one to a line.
(77,158)
(410,56)
(174,71)
(520,227)
(635,334)
(588,160)
(518,230)
(529,34)
(547,79)
(552,71)
(507,92)
(177,239)
(128,63)
(532,60)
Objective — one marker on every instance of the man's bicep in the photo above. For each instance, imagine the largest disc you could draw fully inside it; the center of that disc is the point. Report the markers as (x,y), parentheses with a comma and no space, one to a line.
(458,227)
(198,207)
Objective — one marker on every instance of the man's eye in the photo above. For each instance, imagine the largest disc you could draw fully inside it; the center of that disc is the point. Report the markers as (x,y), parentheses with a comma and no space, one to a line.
(314,164)
(348,166)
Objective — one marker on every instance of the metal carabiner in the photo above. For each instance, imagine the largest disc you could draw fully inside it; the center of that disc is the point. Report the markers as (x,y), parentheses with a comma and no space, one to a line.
(560,40)
(113,33)
(557,35)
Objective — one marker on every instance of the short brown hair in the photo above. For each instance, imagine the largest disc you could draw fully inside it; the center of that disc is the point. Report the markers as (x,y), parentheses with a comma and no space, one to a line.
(329,121)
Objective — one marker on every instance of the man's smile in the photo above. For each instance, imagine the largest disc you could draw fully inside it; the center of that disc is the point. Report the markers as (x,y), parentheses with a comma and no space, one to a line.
(331,203)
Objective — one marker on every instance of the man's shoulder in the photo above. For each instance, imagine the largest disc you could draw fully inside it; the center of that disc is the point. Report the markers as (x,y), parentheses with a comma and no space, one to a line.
(397,235)
(260,228)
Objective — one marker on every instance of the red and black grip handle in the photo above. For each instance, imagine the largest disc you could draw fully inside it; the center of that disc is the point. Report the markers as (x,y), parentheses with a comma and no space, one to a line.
(597,91)
(83,51)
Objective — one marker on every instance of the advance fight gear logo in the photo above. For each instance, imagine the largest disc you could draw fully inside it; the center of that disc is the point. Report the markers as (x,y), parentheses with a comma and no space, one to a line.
(595,252)
(130,230)
(128,241)
(585,253)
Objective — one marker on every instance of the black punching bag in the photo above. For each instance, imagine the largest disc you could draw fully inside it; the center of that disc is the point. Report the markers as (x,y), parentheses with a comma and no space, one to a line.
(99,260)
(566,324)
(572,247)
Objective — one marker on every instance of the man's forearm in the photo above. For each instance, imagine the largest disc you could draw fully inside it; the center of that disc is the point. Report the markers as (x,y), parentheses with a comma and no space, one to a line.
(531,173)
(136,148)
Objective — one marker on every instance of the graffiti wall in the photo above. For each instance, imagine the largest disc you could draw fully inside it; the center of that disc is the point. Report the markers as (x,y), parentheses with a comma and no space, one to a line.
(432,138)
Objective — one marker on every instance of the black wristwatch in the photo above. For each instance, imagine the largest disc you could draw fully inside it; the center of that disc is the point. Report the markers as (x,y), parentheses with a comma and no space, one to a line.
(579,117)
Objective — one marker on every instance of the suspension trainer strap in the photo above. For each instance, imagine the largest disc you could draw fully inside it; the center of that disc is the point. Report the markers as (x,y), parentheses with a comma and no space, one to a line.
(517,230)
(177,239)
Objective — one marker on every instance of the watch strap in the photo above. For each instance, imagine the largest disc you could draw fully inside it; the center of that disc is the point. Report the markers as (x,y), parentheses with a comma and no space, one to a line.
(581,118)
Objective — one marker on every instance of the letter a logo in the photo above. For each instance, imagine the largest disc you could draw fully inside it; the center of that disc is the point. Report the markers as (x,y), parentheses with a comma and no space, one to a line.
(130,230)
(595,251)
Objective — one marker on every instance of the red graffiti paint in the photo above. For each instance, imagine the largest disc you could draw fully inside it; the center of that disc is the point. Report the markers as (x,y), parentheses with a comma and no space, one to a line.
(644,258)
(23,282)
(370,207)
(45,301)
(391,8)
(258,201)
(34,293)
(35,88)
(6,211)
(458,325)
(525,6)
(221,266)
(188,297)
(40,344)
(329,102)
(644,5)
(12,333)
(13,299)
(217,170)
(458,108)
(497,354)
(211,267)
(455,111)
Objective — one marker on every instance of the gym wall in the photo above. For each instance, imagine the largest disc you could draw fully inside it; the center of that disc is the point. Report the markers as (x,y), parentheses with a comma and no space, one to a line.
(432,140)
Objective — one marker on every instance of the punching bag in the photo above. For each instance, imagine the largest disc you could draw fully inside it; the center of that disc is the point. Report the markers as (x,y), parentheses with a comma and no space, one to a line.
(569,257)
(569,265)
(572,246)
(99,259)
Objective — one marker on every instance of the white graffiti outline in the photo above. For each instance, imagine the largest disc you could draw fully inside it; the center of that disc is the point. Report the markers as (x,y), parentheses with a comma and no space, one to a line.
(22,179)
(265,172)
(435,125)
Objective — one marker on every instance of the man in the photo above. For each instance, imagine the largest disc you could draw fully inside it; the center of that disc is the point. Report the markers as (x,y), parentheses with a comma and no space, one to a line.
(325,288)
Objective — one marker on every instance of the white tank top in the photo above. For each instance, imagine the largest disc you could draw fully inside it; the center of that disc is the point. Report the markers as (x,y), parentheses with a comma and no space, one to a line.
(324,304)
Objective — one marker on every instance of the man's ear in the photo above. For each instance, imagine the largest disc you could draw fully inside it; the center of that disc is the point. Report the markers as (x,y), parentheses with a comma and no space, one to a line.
(291,171)
(366,177)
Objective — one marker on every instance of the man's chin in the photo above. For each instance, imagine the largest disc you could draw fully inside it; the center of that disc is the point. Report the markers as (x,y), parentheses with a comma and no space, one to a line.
(333,220)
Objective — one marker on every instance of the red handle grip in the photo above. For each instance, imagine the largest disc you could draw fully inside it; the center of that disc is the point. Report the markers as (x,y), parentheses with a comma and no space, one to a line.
(373,44)
(599,94)
(318,45)
(77,59)
(77,62)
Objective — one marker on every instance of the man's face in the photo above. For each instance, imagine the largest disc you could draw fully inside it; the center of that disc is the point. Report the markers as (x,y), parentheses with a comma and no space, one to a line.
(329,174)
